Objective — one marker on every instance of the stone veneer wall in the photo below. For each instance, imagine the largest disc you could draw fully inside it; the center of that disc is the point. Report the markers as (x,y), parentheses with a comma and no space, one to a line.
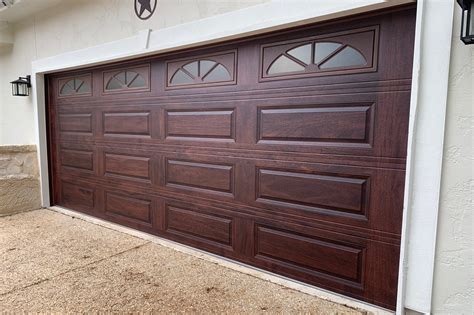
(19,179)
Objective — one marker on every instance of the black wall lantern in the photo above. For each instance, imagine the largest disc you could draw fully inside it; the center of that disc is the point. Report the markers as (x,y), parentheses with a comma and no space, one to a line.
(21,87)
(467,24)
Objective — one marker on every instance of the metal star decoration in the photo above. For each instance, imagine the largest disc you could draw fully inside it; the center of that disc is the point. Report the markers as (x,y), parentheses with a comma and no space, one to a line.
(145,5)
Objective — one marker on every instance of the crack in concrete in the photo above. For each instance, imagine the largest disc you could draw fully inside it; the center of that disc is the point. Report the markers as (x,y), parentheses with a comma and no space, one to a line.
(74,269)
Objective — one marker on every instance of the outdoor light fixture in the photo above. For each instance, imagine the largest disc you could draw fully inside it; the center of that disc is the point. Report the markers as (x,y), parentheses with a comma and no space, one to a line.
(21,87)
(6,3)
(467,24)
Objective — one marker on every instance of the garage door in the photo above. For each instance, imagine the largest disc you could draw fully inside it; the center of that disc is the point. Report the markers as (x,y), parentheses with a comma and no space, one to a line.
(285,151)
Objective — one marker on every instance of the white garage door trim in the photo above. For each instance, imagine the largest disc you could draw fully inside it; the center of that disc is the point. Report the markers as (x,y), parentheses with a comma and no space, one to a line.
(427,116)
(434,24)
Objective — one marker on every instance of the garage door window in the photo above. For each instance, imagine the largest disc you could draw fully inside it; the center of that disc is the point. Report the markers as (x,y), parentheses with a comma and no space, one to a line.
(80,86)
(206,70)
(345,57)
(131,79)
(350,52)
(201,71)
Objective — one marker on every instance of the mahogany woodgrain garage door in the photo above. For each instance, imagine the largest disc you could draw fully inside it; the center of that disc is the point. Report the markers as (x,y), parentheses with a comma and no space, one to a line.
(285,151)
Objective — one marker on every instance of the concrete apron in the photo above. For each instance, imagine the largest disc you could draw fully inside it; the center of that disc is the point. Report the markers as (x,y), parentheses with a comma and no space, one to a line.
(55,263)
(246,269)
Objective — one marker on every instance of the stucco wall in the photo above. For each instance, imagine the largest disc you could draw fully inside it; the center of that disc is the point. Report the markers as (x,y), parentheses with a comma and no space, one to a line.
(454,267)
(76,24)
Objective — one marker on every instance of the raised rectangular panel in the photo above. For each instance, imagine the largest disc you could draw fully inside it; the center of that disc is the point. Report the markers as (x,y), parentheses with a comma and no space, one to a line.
(302,190)
(81,123)
(316,124)
(198,225)
(134,124)
(77,196)
(77,159)
(128,207)
(200,124)
(308,254)
(211,177)
(125,165)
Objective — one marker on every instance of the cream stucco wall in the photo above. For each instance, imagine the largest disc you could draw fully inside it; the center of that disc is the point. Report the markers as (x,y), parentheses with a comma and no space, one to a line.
(454,266)
(76,24)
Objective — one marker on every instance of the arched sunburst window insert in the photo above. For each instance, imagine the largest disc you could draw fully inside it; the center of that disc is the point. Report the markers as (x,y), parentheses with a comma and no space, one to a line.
(132,79)
(318,56)
(201,71)
(204,70)
(345,52)
(80,85)
(127,79)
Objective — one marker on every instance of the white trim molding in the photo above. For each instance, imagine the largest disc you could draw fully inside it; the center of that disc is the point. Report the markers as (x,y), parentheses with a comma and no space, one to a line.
(425,152)
(427,114)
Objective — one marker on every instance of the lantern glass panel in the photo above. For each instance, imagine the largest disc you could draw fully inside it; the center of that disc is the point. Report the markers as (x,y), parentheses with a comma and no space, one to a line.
(467,23)
(470,23)
(23,89)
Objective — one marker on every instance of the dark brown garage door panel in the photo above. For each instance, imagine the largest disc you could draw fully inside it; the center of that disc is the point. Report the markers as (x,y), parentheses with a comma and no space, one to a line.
(339,193)
(128,166)
(210,124)
(79,159)
(345,264)
(317,124)
(201,176)
(76,123)
(127,124)
(349,195)
(194,225)
(340,126)
(322,256)
(343,194)
(286,151)
(128,207)
(78,196)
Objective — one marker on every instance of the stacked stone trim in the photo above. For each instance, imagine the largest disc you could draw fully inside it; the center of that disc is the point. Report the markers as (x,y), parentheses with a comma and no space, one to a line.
(19,179)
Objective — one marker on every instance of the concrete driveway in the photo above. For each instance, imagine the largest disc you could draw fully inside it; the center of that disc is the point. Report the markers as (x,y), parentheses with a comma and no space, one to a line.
(55,263)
